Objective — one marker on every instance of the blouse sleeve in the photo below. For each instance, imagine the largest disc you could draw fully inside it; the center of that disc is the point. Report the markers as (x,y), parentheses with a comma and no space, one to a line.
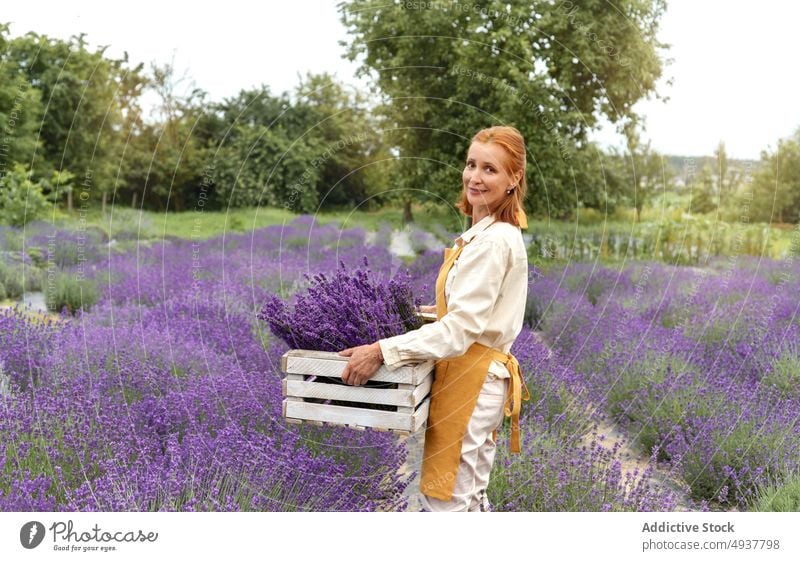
(482,266)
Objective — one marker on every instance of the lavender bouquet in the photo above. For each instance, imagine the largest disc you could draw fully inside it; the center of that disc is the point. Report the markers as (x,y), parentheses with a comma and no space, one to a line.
(349,309)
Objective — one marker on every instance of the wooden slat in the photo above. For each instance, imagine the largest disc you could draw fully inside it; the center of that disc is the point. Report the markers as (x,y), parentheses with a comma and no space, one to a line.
(323,363)
(427,317)
(348,415)
(358,394)
(420,415)
(407,410)
(290,378)
(407,396)
(422,391)
(353,417)
(290,421)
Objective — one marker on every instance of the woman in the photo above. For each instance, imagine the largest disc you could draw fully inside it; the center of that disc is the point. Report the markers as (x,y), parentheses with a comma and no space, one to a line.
(480,302)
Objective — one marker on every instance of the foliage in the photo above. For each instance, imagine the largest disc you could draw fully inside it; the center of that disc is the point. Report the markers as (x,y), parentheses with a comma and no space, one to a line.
(71,293)
(90,99)
(23,200)
(449,69)
(775,194)
(301,152)
(20,107)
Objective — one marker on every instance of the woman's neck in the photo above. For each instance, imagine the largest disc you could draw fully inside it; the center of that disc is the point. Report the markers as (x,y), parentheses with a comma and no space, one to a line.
(479,214)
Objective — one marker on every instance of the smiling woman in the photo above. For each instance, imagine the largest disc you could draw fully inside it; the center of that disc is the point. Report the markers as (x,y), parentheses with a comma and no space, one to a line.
(480,301)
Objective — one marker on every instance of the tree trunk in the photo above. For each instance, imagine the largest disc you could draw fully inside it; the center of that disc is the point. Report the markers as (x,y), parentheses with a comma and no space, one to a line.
(69,200)
(407,215)
(133,200)
(103,205)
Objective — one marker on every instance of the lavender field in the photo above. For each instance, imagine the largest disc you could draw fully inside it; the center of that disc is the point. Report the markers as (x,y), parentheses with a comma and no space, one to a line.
(164,392)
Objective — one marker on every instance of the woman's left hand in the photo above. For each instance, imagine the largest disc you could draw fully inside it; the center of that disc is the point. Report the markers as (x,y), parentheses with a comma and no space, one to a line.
(365,361)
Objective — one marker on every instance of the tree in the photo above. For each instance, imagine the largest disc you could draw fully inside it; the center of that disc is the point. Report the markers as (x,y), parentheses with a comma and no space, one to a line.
(776,183)
(20,110)
(88,97)
(346,140)
(177,155)
(645,173)
(263,166)
(726,183)
(704,194)
(446,70)
(314,148)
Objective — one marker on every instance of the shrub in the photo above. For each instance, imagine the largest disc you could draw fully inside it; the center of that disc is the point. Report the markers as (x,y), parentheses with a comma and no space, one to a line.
(22,200)
(11,279)
(784,374)
(71,293)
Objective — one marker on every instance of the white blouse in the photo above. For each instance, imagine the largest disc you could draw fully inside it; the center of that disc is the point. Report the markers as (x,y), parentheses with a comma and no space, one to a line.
(486,291)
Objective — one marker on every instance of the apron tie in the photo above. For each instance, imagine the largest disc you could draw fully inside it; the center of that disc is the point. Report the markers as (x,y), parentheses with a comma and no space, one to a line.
(514,400)
(514,397)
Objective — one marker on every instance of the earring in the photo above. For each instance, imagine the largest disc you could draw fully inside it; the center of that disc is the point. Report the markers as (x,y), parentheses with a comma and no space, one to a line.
(508,192)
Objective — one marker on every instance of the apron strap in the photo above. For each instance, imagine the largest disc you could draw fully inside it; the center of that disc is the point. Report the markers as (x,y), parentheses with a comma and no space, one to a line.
(514,398)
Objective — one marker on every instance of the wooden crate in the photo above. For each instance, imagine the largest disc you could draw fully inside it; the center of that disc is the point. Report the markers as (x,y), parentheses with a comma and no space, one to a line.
(314,392)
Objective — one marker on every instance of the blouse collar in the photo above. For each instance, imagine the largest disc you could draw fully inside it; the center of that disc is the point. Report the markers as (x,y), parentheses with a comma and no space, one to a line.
(484,223)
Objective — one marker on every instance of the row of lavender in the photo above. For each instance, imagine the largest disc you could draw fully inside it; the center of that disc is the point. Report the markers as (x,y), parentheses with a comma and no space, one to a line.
(166,396)
(700,364)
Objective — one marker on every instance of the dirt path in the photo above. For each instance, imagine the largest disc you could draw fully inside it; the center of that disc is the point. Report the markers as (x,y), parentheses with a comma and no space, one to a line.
(631,460)
(413,463)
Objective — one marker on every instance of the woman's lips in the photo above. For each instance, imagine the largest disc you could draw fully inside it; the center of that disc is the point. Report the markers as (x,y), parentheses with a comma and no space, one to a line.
(477,191)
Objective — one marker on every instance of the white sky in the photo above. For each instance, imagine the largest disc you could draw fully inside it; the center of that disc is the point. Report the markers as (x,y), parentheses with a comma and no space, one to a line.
(734,72)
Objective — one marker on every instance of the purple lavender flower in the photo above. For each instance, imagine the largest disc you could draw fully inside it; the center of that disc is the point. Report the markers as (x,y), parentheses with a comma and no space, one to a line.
(348,309)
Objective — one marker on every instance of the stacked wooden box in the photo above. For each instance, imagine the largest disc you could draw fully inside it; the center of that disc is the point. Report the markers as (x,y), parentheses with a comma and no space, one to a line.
(314,392)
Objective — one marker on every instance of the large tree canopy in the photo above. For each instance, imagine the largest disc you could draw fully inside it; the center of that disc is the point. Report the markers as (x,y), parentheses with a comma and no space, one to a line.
(448,69)
(80,102)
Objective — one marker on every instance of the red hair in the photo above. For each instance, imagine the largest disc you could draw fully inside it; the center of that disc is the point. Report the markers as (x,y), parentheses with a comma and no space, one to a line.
(513,145)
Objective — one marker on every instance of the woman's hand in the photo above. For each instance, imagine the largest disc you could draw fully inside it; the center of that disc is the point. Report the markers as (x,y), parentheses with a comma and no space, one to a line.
(427,309)
(364,363)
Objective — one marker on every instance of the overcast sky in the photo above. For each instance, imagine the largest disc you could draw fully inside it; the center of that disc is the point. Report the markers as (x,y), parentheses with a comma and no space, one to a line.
(734,72)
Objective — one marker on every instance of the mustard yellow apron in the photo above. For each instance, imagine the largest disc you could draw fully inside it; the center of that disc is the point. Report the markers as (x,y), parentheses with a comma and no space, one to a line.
(456,385)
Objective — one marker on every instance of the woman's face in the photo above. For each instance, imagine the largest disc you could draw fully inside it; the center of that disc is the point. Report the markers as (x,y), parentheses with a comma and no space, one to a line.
(485,178)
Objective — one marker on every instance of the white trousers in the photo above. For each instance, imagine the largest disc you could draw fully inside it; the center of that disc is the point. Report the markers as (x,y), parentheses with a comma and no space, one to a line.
(477,452)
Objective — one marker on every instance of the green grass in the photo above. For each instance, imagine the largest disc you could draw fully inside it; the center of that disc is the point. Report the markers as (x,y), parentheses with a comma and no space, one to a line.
(783,495)
(149,225)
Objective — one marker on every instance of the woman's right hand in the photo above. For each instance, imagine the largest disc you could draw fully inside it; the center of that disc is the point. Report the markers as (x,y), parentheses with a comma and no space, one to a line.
(427,309)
